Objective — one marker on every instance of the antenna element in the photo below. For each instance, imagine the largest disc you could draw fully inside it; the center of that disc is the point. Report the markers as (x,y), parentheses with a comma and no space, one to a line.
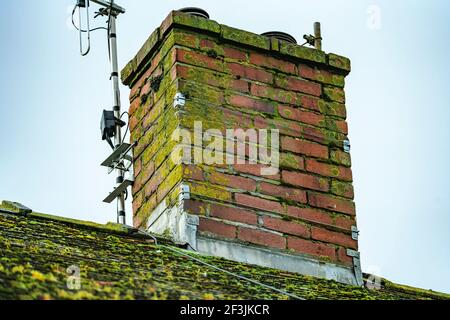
(111,124)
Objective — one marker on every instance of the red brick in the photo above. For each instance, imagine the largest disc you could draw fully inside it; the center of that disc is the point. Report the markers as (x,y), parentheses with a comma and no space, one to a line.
(291,161)
(154,64)
(342,189)
(343,257)
(314,134)
(236,54)
(212,79)
(134,105)
(305,181)
(232,181)
(200,60)
(272,63)
(320,75)
(188,40)
(333,237)
(342,126)
(307,72)
(286,127)
(255,170)
(288,227)
(237,117)
(153,184)
(344,223)
(331,203)
(253,104)
(137,166)
(299,85)
(134,121)
(193,172)
(280,95)
(320,217)
(262,238)
(334,94)
(283,192)
(311,215)
(147,171)
(258,203)
(312,248)
(137,201)
(310,103)
(196,207)
(134,92)
(327,170)
(304,147)
(302,116)
(217,228)
(233,214)
(251,73)
(341,157)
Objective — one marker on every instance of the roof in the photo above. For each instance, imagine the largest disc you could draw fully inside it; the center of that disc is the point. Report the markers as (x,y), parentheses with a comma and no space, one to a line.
(116,262)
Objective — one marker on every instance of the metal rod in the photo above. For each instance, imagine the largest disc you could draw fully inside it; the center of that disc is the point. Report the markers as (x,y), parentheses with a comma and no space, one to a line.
(110,4)
(117,109)
(88,30)
(317,36)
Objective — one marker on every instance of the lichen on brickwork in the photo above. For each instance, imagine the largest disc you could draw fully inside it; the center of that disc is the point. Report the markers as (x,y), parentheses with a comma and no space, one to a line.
(230,79)
(191,24)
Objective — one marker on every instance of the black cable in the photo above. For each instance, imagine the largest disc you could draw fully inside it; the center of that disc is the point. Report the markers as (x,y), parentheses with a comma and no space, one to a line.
(128,124)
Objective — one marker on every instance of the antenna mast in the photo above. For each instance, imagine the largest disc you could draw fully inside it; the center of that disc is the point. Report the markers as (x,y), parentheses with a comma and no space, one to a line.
(111,124)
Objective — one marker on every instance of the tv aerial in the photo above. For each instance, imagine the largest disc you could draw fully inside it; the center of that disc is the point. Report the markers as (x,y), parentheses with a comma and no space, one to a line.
(120,161)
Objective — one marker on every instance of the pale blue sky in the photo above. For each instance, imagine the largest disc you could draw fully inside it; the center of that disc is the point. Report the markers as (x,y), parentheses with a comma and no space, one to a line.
(398,96)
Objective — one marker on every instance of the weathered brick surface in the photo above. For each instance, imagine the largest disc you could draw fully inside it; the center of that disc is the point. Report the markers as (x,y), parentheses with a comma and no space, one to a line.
(232,79)
(218,228)
(288,227)
(312,248)
(262,238)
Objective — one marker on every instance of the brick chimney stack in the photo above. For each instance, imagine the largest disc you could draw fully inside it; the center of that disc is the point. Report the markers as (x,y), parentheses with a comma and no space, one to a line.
(299,218)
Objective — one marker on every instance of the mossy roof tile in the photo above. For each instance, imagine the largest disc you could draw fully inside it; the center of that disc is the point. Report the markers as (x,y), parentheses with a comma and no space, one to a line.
(118,263)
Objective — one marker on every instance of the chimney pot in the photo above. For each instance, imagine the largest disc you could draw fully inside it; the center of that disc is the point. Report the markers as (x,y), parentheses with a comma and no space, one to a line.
(280,36)
(195,12)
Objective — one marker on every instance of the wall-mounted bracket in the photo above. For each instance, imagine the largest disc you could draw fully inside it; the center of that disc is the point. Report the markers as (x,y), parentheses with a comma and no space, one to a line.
(179,100)
(119,154)
(355,233)
(347,146)
(185,192)
(119,190)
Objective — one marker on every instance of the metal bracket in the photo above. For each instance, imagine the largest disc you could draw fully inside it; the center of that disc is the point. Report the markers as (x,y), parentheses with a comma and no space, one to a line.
(115,160)
(179,100)
(355,233)
(347,146)
(118,191)
(121,153)
(110,4)
(356,266)
(185,192)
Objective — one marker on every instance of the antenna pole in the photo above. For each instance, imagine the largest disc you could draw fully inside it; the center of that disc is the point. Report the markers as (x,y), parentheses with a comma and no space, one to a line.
(112,38)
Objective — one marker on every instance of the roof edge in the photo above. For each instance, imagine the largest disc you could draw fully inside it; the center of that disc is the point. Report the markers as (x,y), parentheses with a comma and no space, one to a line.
(7,207)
